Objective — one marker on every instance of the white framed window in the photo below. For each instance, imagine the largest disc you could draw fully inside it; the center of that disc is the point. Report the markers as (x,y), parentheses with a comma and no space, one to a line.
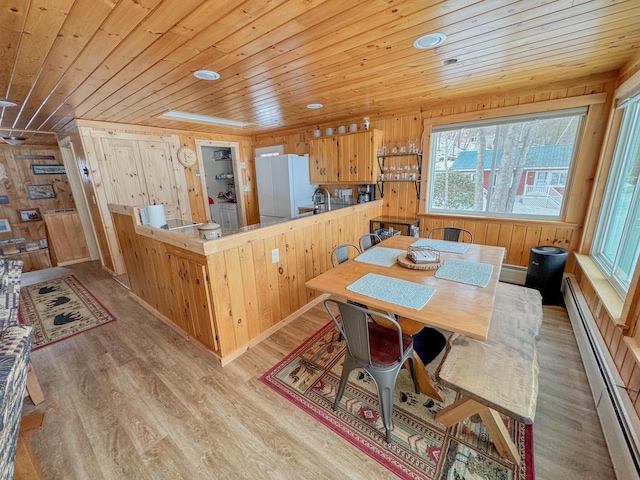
(513,167)
(617,239)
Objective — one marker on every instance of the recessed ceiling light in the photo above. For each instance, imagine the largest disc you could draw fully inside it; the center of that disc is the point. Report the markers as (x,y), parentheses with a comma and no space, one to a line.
(450,61)
(206,75)
(314,106)
(7,103)
(430,41)
(204,118)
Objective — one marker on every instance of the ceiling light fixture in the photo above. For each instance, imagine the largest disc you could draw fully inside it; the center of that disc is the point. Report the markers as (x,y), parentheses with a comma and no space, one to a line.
(203,118)
(431,40)
(7,103)
(206,75)
(314,106)
(14,141)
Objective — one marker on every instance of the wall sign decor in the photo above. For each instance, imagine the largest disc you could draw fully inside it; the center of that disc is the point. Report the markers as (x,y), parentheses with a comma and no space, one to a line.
(30,215)
(4,225)
(48,169)
(4,200)
(40,192)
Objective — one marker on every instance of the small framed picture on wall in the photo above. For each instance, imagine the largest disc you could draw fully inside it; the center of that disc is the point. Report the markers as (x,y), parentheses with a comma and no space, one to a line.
(30,215)
(5,226)
(40,192)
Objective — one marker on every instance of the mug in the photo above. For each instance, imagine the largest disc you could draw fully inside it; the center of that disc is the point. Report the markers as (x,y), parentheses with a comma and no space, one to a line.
(342,129)
(316,133)
(353,127)
(328,131)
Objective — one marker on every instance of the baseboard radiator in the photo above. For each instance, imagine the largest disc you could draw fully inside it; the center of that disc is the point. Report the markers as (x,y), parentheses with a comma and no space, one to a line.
(513,274)
(618,419)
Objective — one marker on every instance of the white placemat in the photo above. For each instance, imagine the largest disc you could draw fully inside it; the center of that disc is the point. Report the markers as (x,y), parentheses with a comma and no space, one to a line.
(442,245)
(382,256)
(393,290)
(465,271)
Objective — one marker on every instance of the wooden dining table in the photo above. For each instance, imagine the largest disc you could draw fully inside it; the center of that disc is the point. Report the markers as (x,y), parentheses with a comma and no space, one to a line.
(454,306)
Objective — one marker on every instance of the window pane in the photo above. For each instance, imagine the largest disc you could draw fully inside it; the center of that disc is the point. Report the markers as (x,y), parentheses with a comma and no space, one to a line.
(515,169)
(616,245)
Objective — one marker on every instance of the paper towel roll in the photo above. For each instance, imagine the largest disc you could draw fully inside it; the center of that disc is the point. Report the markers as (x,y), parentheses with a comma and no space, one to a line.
(156,216)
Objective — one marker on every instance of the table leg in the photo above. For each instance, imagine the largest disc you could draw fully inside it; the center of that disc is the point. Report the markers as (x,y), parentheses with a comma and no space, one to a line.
(424,380)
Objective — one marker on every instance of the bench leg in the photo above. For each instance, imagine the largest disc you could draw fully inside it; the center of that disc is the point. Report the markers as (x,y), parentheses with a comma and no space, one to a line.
(458,411)
(33,386)
(499,435)
(466,407)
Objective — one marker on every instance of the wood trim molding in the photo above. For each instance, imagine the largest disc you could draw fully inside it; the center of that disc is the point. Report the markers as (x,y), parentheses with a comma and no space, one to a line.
(536,107)
(143,129)
(607,295)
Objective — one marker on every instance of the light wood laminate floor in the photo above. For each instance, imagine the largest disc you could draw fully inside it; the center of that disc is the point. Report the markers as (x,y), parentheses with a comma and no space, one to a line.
(134,400)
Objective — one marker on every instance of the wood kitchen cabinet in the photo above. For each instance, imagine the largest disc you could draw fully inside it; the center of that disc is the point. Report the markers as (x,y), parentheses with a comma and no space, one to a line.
(348,158)
(323,160)
(192,297)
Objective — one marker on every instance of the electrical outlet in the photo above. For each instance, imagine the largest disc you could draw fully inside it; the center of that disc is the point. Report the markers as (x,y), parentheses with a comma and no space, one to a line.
(275,255)
(243,164)
(245,188)
(197,172)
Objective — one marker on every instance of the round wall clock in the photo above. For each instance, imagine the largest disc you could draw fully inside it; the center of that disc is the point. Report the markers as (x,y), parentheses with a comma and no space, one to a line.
(187,156)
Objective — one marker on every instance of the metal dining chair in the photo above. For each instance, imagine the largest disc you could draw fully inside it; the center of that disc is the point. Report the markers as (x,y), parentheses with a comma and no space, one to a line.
(340,254)
(453,234)
(379,350)
(368,240)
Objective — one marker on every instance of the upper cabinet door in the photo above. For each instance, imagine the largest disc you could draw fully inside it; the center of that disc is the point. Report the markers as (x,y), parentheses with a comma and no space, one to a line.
(349,158)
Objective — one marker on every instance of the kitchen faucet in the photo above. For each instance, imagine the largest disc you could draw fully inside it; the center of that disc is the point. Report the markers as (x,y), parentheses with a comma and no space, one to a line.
(327,195)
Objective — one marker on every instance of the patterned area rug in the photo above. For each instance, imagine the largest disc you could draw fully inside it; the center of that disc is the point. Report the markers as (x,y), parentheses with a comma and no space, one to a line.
(60,308)
(421,448)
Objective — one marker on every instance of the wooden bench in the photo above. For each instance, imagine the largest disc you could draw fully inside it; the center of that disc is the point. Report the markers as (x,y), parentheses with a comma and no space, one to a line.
(499,375)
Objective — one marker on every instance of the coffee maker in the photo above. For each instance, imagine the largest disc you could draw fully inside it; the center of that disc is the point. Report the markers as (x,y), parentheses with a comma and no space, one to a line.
(365,193)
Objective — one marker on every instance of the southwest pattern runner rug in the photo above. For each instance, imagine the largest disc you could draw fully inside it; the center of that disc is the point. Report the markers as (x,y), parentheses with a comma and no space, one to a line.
(60,308)
(421,447)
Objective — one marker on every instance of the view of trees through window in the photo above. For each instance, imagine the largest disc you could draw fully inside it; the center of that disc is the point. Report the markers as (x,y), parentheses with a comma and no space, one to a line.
(518,168)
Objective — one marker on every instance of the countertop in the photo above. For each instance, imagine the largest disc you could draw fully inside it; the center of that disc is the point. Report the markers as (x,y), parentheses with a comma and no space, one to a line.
(188,238)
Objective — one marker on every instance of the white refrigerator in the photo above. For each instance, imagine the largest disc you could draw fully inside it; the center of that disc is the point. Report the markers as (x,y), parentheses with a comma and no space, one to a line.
(283,185)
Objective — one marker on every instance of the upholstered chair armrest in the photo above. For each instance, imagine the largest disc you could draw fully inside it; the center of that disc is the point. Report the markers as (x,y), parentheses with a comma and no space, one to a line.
(15,343)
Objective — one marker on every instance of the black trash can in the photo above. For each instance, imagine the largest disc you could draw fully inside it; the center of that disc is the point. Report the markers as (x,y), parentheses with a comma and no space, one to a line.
(546,266)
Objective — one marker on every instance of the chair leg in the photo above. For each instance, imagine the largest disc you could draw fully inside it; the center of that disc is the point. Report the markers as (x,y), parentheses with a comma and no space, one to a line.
(385,385)
(348,365)
(385,394)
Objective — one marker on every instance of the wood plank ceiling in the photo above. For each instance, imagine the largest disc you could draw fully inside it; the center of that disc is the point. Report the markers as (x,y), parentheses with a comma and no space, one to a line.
(129,61)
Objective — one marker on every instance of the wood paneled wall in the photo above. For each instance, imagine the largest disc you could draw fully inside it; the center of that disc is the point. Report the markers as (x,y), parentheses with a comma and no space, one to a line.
(251,294)
(197,197)
(273,291)
(613,333)
(19,175)
(517,236)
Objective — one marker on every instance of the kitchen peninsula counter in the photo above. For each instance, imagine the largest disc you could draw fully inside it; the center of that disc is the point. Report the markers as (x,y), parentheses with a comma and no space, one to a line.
(228,294)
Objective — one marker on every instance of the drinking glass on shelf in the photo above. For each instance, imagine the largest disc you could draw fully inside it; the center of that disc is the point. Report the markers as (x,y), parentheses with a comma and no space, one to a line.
(385,172)
(414,172)
(393,148)
(406,172)
(402,147)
